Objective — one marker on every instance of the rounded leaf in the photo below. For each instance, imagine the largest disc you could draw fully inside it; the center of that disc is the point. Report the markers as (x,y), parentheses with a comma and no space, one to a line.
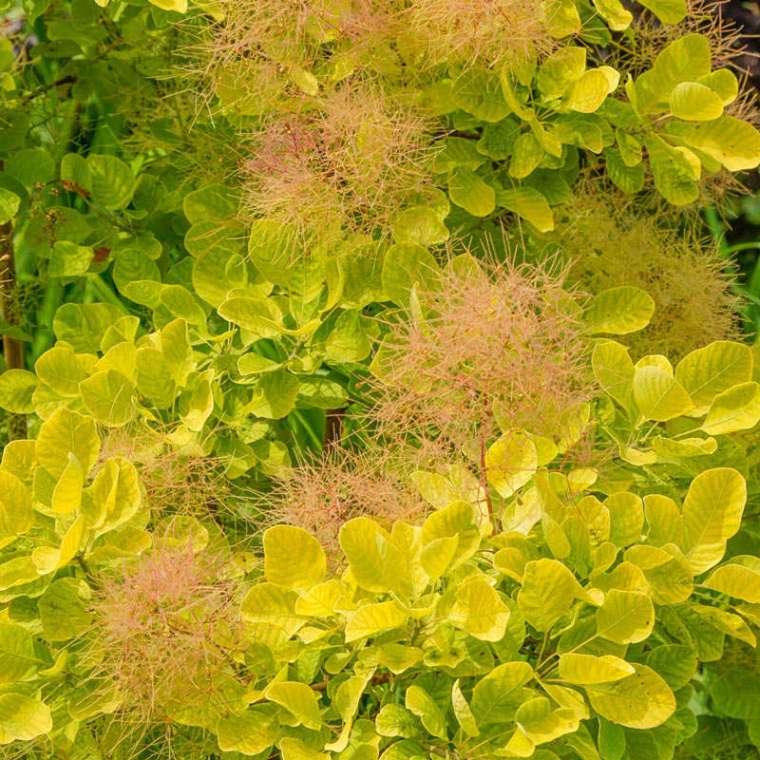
(293,557)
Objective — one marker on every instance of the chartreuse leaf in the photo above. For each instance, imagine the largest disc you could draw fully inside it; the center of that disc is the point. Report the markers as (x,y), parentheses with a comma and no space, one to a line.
(59,368)
(562,18)
(274,605)
(299,700)
(17,658)
(614,13)
(613,370)
(114,496)
(48,559)
(109,397)
(511,462)
(539,722)
(293,557)
(249,733)
(692,101)
(738,408)
(372,619)
(67,432)
(462,711)
(111,180)
(16,513)
(737,581)
(405,267)
(17,388)
(23,718)
(625,617)
(498,694)
(530,204)
(67,494)
(419,702)
(642,700)
(395,720)
(591,89)
(295,749)
(619,311)
(548,591)
(346,703)
(587,669)
(471,192)
(712,513)
(711,370)
(658,395)
(479,610)
(560,70)
(668,11)
(732,142)
(368,549)
(63,610)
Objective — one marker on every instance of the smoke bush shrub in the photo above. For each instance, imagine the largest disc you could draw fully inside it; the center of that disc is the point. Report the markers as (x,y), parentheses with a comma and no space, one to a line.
(519,496)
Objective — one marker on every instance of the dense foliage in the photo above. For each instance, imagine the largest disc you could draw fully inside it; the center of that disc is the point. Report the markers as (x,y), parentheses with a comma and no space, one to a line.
(373,385)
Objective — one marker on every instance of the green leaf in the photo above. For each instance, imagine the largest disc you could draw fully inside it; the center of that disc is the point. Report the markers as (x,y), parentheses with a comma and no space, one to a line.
(419,702)
(394,720)
(462,711)
(530,204)
(211,203)
(619,311)
(18,661)
(64,433)
(63,610)
(736,695)
(642,700)
(406,267)
(59,368)
(9,205)
(109,397)
(469,191)
(695,102)
(17,387)
(111,180)
(23,718)
(275,395)
(527,154)
(615,14)
(293,557)
(625,617)
(560,70)
(478,92)
(498,694)
(69,260)
(419,226)
(479,610)
(668,11)
(676,171)
(712,513)
(511,462)
(82,326)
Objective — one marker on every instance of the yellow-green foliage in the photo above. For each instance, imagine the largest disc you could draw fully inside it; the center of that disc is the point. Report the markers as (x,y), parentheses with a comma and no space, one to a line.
(607,242)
